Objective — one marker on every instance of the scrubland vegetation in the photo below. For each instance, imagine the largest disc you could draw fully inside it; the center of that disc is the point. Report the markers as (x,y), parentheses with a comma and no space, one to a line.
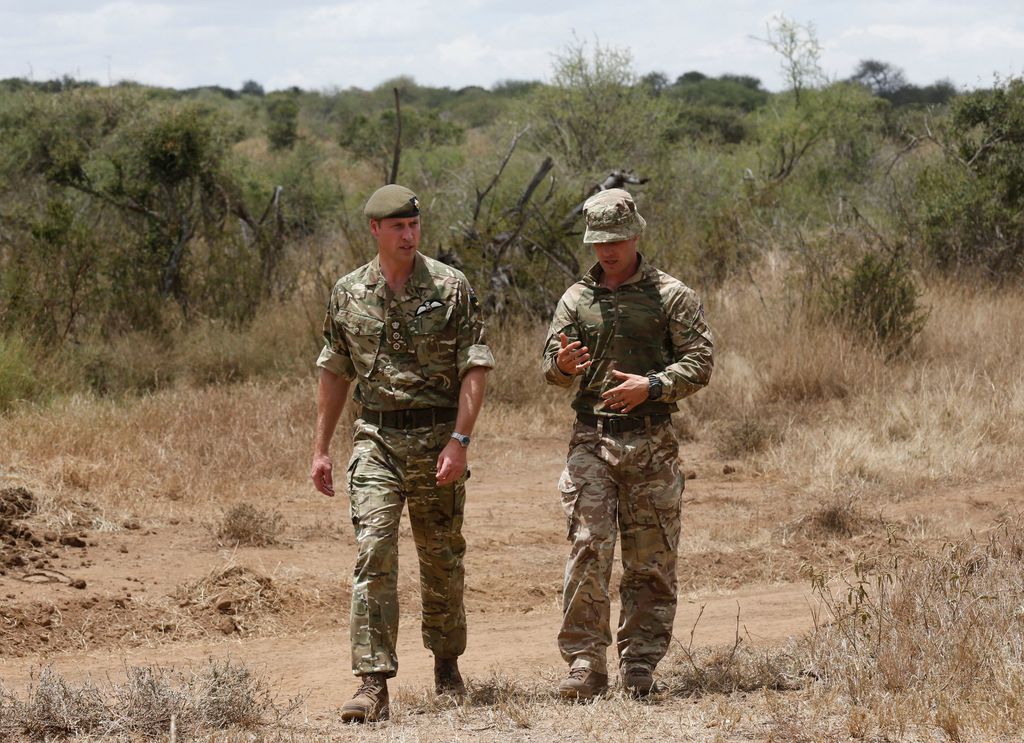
(165,257)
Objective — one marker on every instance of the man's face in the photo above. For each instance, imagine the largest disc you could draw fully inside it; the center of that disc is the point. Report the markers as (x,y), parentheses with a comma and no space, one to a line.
(617,259)
(397,237)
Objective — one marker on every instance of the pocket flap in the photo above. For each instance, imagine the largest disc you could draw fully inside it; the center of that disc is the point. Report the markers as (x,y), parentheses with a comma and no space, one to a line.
(360,324)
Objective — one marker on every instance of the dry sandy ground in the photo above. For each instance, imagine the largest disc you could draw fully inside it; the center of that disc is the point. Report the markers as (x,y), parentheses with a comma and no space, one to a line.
(166,592)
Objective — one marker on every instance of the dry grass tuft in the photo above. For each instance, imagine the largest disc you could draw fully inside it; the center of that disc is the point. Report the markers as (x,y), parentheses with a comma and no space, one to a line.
(16,502)
(245,524)
(219,696)
(242,596)
(56,708)
(508,704)
(746,436)
(937,638)
(728,670)
(687,672)
(839,517)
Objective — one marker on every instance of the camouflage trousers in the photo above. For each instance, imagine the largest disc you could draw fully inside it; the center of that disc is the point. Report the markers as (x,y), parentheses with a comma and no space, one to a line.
(388,468)
(629,484)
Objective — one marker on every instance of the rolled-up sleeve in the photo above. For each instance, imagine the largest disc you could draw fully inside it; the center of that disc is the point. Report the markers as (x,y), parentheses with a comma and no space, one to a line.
(473,350)
(335,356)
(692,348)
(562,322)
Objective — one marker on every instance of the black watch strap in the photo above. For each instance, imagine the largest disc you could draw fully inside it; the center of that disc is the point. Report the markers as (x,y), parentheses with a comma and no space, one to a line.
(654,392)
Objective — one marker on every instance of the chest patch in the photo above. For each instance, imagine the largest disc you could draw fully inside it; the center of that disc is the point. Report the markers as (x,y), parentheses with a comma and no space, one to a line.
(430,304)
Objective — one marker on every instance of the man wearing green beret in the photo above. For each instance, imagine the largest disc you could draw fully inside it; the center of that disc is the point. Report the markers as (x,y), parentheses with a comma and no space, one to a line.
(637,340)
(408,331)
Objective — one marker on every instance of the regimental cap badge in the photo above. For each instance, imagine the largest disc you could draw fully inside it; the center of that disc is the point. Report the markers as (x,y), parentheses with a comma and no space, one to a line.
(392,201)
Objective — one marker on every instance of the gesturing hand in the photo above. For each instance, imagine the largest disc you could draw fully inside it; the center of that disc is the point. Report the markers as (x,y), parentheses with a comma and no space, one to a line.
(573,357)
(626,396)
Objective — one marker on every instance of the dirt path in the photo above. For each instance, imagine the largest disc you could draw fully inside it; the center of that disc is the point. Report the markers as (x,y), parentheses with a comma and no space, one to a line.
(315,664)
(160,589)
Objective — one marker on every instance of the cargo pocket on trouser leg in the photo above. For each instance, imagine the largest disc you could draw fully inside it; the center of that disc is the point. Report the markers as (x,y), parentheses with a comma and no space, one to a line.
(353,464)
(569,492)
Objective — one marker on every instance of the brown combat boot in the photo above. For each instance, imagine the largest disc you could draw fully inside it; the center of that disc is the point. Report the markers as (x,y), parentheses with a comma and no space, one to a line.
(583,684)
(447,679)
(638,681)
(370,704)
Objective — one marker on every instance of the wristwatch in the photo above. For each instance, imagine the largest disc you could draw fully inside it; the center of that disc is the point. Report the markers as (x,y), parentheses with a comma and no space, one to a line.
(655,389)
(461,438)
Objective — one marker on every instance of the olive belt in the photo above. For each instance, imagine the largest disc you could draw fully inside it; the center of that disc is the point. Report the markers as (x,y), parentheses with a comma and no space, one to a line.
(621,424)
(409,418)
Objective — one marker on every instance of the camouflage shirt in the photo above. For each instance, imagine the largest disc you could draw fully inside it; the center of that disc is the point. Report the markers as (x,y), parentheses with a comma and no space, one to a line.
(407,350)
(651,323)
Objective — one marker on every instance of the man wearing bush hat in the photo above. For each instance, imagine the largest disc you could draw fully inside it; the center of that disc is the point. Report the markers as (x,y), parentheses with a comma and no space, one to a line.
(637,340)
(408,330)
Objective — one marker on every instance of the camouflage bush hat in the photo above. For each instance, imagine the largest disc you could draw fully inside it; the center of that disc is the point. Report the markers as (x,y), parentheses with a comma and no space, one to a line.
(392,201)
(611,216)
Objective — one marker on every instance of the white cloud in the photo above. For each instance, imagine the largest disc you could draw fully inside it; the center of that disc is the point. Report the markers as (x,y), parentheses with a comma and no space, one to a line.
(318,43)
(464,51)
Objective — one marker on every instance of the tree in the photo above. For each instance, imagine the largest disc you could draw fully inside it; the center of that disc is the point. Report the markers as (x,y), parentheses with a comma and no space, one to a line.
(813,111)
(881,78)
(655,82)
(153,174)
(727,91)
(800,53)
(972,207)
(283,124)
(373,137)
(251,87)
(594,117)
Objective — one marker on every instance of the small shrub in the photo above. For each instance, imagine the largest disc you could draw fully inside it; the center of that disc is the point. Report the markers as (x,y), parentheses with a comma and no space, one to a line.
(17,372)
(56,708)
(219,696)
(689,672)
(148,700)
(246,524)
(880,298)
(746,436)
(838,517)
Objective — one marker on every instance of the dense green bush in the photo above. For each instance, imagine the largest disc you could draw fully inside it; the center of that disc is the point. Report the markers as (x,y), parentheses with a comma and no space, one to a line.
(17,372)
(971,207)
(142,229)
(283,122)
(878,299)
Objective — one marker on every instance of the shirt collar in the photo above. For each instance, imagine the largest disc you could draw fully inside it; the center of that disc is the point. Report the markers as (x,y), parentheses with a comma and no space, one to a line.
(420,277)
(593,276)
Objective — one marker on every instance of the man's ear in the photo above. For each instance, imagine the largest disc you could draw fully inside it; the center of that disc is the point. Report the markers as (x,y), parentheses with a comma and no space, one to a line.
(374,227)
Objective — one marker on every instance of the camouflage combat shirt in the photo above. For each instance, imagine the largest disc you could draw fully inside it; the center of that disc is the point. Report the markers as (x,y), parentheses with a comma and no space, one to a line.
(407,350)
(651,323)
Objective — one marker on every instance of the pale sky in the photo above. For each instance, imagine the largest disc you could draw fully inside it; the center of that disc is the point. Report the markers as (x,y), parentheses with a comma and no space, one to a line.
(320,45)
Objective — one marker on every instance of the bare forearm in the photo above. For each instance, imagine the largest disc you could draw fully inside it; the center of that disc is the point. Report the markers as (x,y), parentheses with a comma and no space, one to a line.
(471,399)
(331,396)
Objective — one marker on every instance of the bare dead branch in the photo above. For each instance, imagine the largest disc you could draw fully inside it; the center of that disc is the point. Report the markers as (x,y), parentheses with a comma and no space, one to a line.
(398,139)
(481,195)
(543,170)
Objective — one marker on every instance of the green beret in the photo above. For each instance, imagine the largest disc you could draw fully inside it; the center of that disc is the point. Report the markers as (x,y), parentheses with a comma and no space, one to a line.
(611,216)
(392,201)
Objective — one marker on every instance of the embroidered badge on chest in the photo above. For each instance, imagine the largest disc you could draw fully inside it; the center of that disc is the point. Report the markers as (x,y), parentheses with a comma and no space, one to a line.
(430,304)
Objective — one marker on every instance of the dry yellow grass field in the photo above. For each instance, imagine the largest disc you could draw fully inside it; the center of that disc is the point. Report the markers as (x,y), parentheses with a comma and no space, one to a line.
(872,511)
